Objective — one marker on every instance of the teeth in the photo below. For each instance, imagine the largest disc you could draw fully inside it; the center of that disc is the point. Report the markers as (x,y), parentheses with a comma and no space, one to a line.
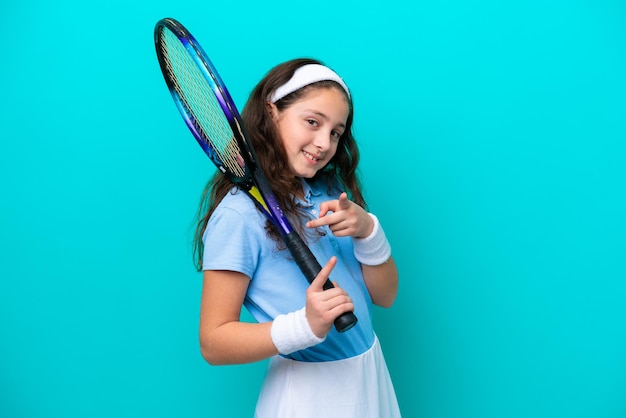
(309,156)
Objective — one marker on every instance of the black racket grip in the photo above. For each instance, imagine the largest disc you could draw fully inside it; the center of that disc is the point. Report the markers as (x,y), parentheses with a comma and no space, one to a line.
(310,268)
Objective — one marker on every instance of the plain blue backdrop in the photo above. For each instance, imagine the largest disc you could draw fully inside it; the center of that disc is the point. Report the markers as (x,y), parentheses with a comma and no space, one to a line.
(493,138)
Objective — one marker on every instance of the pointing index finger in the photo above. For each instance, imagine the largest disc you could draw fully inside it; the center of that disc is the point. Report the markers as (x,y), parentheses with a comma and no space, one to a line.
(344,202)
(322,276)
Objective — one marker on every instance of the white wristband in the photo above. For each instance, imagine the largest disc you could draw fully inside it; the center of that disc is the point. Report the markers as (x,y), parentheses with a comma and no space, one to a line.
(374,249)
(292,332)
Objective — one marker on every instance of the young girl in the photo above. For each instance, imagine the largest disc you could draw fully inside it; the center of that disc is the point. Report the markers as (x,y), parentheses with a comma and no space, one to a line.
(299,119)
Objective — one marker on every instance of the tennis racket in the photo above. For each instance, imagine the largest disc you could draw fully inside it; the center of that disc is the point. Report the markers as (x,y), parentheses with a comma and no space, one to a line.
(214,121)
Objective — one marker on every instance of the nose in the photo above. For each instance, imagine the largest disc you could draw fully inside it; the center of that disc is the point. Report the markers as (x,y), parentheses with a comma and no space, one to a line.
(322,140)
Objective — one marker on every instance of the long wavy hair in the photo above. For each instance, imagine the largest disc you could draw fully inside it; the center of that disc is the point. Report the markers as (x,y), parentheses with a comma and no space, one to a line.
(340,172)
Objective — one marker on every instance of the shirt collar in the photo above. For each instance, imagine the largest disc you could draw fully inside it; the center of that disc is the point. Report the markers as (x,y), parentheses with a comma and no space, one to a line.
(310,190)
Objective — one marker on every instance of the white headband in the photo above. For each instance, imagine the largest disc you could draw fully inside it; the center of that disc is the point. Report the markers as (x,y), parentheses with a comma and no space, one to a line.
(305,75)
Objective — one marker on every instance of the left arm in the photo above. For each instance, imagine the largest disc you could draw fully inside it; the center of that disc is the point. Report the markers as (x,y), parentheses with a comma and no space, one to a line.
(349,219)
(382,282)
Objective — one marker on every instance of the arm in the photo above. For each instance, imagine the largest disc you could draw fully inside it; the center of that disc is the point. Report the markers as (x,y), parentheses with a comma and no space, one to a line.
(349,219)
(226,340)
(223,338)
(382,282)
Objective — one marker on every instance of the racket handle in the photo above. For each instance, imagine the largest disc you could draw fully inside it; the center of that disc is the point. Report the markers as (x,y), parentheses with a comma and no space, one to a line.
(310,268)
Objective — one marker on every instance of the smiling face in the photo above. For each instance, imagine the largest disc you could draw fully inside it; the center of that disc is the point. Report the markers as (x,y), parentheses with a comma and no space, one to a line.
(310,129)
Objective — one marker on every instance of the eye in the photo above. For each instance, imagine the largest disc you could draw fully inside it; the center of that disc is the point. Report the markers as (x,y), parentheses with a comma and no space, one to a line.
(336,135)
(312,122)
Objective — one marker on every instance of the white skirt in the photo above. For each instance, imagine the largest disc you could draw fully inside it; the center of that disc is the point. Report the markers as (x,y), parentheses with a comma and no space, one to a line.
(357,387)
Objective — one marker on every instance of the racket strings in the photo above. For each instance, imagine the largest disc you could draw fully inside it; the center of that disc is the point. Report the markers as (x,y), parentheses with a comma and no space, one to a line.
(200,100)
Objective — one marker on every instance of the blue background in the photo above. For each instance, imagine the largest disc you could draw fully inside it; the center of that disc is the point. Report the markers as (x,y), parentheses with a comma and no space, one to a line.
(493,142)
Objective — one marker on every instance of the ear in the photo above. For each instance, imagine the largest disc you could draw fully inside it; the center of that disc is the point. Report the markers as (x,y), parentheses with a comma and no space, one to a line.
(272,109)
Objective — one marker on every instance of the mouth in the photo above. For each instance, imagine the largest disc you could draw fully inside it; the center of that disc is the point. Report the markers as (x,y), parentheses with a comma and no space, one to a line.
(311,157)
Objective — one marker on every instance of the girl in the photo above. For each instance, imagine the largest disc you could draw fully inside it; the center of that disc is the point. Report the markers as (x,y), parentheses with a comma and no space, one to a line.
(299,119)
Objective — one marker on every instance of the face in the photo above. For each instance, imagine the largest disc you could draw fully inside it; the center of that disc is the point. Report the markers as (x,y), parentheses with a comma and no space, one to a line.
(310,129)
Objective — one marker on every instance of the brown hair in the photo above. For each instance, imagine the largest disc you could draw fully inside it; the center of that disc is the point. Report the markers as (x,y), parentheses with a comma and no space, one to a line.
(340,172)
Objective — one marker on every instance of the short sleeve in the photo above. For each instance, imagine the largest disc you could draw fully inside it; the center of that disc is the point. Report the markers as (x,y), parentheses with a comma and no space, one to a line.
(229,243)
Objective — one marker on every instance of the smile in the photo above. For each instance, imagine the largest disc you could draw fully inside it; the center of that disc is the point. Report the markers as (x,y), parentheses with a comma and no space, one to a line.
(310,156)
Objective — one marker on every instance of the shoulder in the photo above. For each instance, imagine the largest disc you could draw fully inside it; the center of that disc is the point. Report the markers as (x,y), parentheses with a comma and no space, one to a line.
(235,229)
(237,201)
(235,214)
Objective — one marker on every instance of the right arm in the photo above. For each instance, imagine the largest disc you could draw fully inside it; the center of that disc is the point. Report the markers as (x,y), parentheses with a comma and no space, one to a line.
(223,338)
(226,340)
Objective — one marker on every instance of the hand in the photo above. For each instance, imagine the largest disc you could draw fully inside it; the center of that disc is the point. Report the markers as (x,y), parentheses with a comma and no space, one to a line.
(324,306)
(347,219)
